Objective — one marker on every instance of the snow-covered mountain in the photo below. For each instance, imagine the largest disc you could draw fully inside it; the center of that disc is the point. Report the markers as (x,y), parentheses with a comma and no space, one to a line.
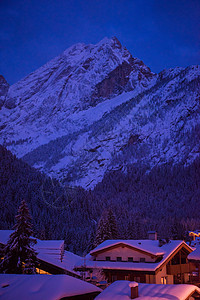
(96,108)
(4,86)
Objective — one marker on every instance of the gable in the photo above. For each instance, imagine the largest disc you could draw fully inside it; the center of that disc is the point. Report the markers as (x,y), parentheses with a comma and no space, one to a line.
(124,251)
(182,247)
(150,247)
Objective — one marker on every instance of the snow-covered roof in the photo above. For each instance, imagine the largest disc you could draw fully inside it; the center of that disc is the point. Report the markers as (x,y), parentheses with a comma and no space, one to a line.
(41,244)
(195,243)
(120,290)
(42,248)
(68,261)
(195,255)
(40,287)
(149,246)
(167,250)
(49,244)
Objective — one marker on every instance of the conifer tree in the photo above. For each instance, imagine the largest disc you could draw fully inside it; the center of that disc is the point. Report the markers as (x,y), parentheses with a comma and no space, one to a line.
(177,230)
(20,257)
(107,228)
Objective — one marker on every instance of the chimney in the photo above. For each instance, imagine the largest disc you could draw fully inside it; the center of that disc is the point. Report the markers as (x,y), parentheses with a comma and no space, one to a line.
(134,289)
(152,235)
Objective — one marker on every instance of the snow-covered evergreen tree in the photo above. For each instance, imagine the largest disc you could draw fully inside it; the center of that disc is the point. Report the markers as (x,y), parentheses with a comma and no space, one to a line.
(107,228)
(20,257)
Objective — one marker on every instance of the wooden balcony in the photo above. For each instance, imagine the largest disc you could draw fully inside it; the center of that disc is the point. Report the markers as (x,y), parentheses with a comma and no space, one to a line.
(177,269)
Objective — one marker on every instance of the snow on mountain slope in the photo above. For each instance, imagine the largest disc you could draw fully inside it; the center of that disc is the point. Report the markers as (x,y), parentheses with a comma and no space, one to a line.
(95,108)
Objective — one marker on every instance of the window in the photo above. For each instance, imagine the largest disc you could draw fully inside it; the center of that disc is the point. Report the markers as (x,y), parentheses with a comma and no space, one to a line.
(119,258)
(142,259)
(127,277)
(164,280)
(130,259)
(183,260)
(40,271)
(107,258)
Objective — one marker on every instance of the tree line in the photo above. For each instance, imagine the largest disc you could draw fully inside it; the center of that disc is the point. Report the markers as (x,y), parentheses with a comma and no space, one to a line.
(165,199)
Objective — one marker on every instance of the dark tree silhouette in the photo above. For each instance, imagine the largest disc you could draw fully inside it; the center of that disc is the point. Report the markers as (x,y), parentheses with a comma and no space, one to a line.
(20,257)
(107,228)
(143,199)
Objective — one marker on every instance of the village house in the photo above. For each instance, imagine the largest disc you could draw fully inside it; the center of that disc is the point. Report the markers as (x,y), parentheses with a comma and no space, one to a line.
(194,260)
(125,290)
(194,257)
(145,261)
(195,235)
(52,258)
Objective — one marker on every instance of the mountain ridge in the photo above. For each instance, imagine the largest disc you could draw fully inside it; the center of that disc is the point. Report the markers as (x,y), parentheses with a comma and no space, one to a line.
(96,108)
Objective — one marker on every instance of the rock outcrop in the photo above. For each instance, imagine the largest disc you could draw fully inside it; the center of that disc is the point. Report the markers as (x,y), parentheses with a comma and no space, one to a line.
(4,86)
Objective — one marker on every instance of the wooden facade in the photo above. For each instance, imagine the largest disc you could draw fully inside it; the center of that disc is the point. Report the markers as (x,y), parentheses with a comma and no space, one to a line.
(113,275)
(194,274)
(174,269)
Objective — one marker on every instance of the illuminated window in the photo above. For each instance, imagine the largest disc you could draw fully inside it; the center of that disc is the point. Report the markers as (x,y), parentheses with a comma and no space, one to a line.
(40,271)
(164,280)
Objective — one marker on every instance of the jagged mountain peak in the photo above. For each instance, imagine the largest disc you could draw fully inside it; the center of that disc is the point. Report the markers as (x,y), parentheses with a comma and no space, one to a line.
(2,79)
(4,86)
(96,108)
(80,76)
(113,42)
(107,48)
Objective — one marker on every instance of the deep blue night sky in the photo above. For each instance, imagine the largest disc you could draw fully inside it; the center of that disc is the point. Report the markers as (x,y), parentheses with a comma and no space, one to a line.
(162,33)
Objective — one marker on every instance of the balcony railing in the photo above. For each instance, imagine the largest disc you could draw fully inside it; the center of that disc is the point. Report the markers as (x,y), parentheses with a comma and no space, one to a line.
(176,269)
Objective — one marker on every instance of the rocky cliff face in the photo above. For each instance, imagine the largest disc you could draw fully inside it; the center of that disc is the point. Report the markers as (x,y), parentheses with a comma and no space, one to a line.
(4,86)
(80,76)
(96,108)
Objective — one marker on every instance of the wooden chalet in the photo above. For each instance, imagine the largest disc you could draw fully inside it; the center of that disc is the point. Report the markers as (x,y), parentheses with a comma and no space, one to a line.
(145,261)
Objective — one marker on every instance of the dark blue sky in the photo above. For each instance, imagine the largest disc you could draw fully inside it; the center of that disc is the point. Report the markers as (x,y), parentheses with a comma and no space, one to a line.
(162,33)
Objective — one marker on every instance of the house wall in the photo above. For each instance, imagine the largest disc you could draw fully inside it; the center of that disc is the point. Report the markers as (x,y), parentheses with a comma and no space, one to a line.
(150,278)
(169,279)
(113,275)
(124,252)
